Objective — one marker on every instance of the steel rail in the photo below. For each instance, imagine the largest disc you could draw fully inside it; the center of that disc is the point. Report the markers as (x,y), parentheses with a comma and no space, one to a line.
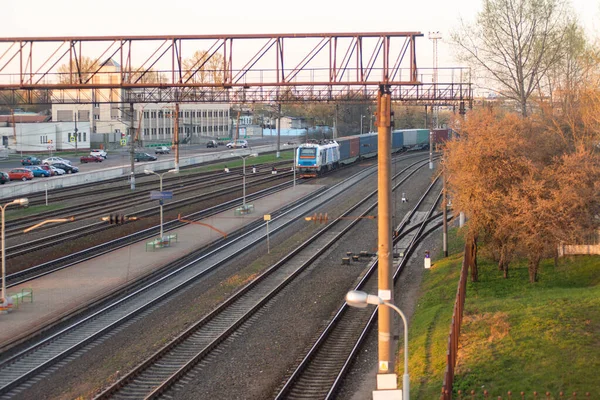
(31,361)
(340,339)
(188,349)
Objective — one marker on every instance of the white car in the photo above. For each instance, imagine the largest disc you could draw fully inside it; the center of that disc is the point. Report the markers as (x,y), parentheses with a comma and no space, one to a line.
(52,160)
(162,150)
(238,143)
(98,153)
(57,171)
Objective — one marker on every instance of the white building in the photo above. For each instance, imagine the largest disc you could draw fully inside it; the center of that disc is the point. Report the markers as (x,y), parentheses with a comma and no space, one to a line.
(196,121)
(110,120)
(45,137)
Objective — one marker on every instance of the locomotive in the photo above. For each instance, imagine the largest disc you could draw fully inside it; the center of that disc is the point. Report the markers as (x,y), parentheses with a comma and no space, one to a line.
(316,157)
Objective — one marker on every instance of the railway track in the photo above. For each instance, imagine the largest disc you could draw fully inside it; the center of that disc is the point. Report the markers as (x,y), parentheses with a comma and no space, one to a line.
(42,356)
(100,204)
(321,372)
(166,367)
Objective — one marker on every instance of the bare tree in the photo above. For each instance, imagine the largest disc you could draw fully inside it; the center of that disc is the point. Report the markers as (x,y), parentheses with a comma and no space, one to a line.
(78,71)
(203,67)
(514,43)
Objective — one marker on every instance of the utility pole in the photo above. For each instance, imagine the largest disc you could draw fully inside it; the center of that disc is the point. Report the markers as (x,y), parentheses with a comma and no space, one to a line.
(76,137)
(176,136)
(335,117)
(384,228)
(278,130)
(444,213)
(132,146)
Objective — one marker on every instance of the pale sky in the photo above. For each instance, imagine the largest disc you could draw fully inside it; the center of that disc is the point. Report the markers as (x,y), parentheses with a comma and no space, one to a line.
(152,17)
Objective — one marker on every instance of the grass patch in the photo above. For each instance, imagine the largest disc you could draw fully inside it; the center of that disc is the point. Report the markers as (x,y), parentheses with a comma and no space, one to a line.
(237,162)
(516,336)
(18,212)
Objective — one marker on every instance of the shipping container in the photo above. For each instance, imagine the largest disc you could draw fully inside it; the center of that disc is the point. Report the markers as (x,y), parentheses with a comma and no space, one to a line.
(441,135)
(368,145)
(397,140)
(422,136)
(410,137)
(349,146)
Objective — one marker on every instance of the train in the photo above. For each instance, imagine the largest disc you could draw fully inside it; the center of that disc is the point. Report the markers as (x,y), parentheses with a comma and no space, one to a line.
(319,156)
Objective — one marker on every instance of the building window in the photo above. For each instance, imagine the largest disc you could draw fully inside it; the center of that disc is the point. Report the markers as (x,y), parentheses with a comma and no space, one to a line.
(160,114)
(154,131)
(204,114)
(84,136)
(146,114)
(96,105)
(146,131)
(96,117)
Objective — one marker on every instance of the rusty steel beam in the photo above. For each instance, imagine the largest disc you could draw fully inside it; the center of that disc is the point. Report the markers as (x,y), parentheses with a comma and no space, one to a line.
(236,68)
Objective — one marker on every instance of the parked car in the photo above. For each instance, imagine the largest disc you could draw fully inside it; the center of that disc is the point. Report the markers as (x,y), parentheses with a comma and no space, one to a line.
(4,178)
(31,160)
(49,169)
(238,143)
(211,143)
(98,153)
(162,150)
(57,171)
(54,160)
(143,157)
(22,174)
(38,171)
(68,168)
(90,158)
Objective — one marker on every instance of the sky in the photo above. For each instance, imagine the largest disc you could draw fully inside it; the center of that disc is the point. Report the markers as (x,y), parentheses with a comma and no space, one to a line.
(183,17)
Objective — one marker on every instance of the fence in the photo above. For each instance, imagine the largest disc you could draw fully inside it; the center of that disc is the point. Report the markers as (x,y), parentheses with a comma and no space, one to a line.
(452,352)
(485,395)
(457,314)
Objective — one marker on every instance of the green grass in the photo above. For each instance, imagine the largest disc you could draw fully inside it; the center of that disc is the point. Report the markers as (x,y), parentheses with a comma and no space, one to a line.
(261,159)
(516,336)
(18,212)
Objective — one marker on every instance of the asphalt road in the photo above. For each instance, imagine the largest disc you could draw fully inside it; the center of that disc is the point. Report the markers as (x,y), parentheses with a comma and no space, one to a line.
(122,155)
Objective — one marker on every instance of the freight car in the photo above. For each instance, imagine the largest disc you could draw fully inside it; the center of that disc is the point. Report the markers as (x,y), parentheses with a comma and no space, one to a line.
(314,158)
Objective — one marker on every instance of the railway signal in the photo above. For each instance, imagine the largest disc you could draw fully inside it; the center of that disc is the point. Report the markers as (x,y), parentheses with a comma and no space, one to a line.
(318,218)
(118,219)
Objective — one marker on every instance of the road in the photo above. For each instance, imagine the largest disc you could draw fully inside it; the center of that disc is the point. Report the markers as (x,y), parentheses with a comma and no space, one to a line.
(122,155)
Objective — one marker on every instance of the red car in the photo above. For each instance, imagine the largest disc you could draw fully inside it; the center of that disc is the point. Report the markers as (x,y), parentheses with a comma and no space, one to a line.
(48,168)
(20,174)
(90,158)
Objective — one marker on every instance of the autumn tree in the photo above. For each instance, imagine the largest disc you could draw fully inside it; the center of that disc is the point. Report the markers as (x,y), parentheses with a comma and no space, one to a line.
(523,191)
(514,43)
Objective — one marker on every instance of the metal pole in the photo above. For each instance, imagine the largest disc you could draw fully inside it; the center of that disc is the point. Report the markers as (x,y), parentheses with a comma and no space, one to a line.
(405,377)
(361,125)
(278,130)
(430,149)
(4,300)
(244,182)
(46,188)
(386,354)
(75,118)
(160,178)
(294,167)
(132,149)
(445,216)
(176,136)
(268,244)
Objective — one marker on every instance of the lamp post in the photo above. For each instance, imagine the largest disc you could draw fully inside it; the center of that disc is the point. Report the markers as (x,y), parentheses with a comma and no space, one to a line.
(160,177)
(356,298)
(361,124)
(20,202)
(244,175)
(294,147)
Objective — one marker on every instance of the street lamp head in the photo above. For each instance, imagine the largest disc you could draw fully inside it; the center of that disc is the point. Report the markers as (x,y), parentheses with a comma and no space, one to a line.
(21,202)
(359,299)
(175,170)
(147,171)
(254,155)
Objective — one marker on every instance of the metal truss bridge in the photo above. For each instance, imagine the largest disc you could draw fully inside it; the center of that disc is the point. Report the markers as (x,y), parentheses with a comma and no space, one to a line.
(266,68)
